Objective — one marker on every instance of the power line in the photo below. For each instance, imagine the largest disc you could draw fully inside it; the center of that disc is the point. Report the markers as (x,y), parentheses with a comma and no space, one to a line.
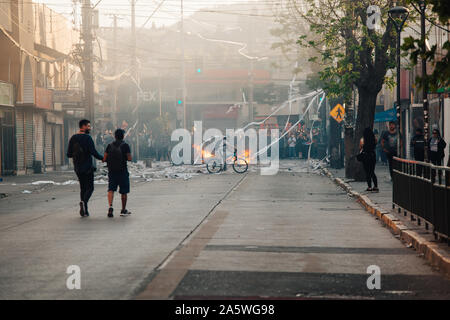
(430,21)
(154,11)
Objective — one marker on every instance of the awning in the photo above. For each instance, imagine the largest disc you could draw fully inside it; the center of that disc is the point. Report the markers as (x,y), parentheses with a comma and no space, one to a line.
(443,90)
(385,116)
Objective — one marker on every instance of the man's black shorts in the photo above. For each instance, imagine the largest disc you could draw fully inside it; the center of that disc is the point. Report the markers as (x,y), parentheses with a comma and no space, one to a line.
(121,180)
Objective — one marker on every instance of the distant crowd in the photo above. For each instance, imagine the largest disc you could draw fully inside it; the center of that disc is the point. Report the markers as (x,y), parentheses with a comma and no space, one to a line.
(144,143)
(300,142)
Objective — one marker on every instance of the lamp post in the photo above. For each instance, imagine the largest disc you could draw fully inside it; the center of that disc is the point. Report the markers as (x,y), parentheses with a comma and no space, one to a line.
(426,128)
(398,15)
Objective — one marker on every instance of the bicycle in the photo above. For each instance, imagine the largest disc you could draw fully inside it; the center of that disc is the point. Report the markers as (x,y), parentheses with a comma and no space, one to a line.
(216,165)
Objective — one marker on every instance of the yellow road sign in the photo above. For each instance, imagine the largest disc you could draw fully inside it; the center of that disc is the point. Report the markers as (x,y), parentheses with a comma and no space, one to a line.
(338,113)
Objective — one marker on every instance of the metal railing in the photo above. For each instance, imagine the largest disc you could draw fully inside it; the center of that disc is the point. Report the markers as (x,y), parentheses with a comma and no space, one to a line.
(423,190)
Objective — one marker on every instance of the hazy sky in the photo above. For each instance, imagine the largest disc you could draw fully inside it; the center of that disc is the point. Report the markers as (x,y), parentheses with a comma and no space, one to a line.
(167,14)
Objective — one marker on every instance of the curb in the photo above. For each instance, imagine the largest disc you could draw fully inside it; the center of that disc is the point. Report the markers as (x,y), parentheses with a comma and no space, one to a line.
(428,250)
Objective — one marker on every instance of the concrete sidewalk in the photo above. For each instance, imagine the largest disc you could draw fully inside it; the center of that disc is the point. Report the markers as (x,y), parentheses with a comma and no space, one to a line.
(402,224)
(382,198)
(15,185)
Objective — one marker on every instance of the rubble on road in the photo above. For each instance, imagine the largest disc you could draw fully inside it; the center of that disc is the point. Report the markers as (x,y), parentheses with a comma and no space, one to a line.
(158,171)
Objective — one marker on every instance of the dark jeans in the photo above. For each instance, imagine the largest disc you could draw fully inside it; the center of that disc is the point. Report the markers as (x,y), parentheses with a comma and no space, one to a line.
(435,158)
(419,167)
(369,168)
(86,186)
(291,152)
(390,157)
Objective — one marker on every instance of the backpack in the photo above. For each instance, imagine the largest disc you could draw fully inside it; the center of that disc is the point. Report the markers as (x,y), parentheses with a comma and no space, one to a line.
(78,154)
(115,157)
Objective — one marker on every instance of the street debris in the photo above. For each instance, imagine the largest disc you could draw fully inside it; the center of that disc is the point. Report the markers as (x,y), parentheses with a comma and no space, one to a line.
(159,171)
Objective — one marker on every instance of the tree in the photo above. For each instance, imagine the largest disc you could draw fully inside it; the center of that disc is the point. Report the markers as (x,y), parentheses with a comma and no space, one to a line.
(440,77)
(351,53)
(289,25)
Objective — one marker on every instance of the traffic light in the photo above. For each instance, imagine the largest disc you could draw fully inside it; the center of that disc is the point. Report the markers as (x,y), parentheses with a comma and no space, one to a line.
(179,97)
(198,65)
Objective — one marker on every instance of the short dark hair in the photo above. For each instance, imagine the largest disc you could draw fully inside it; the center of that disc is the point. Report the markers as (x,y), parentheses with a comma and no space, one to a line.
(393,122)
(83,123)
(119,134)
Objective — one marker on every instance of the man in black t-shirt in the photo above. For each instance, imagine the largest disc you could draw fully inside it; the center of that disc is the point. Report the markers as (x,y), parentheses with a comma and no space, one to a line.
(81,149)
(418,145)
(116,156)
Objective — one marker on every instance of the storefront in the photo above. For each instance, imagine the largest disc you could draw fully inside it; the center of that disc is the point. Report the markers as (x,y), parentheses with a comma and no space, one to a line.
(7,130)
(53,144)
(68,103)
(24,139)
(48,130)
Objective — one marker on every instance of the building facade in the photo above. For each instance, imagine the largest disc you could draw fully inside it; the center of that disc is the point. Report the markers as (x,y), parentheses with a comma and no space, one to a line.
(35,66)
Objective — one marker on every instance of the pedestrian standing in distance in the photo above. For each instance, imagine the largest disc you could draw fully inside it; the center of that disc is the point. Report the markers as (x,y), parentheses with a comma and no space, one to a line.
(389,142)
(368,158)
(99,141)
(436,150)
(378,147)
(418,145)
(81,149)
(116,156)
(281,147)
(291,143)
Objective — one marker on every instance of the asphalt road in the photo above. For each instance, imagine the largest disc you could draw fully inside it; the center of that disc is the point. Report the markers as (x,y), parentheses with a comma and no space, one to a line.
(294,235)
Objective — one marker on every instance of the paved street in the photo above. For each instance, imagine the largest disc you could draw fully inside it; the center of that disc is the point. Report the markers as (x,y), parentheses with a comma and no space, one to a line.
(293,235)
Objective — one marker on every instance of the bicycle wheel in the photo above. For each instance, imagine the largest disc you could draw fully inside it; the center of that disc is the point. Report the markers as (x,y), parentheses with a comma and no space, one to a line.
(240,165)
(214,166)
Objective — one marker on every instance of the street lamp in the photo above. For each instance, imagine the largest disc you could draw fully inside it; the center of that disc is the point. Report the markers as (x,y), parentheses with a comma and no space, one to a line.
(423,50)
(398,15)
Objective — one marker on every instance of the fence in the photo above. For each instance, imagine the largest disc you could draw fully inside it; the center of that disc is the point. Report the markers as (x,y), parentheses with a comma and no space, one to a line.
(423,190)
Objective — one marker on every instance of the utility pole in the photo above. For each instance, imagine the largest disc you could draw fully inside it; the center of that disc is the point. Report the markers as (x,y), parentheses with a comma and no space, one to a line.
(114,59)
(134,70)
(426,128)
(251,73)
(133,41)
(88,61)
(160,95)
(183,68)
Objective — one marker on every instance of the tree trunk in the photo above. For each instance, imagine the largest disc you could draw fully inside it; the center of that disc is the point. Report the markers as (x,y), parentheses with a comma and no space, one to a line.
(349,151)
(365,118)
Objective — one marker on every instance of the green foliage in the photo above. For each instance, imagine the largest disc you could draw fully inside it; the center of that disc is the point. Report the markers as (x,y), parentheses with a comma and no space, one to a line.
(440,77)
(349,52)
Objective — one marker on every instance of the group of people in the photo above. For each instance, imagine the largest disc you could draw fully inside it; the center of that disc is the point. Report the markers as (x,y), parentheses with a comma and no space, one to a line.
(116,154)
(389,144)
(298,143)
(148,144)
(436,147)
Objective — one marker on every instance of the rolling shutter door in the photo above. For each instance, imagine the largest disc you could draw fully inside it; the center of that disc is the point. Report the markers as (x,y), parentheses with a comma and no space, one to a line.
(48,144)
(38,136)
(58,145)
(20,140)
(29,138)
